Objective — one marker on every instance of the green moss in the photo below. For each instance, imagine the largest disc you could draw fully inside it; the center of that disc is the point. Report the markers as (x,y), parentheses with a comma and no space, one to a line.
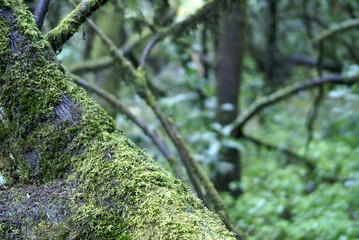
(55,131)
(71,23)
(4,38)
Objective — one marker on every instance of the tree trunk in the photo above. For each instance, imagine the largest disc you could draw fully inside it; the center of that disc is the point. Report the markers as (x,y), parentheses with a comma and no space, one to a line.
(272,76)
(74,174)
(229,71)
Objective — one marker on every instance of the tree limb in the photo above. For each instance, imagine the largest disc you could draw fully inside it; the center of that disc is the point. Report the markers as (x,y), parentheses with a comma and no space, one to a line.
(124,110)
(57,133)
(104,62)
(72,22)
(195,172)
(335,29)
(309,62)
(41,9)
(148,49)
(286,92)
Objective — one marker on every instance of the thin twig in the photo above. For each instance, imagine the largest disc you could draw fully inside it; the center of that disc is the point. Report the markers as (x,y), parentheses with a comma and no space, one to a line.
(148,49)
(312,116)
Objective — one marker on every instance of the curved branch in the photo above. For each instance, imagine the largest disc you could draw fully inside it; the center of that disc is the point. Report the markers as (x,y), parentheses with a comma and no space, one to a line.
(148,49)
(72,22)
(40,12)
(335,29)
(286,92)
(201,15)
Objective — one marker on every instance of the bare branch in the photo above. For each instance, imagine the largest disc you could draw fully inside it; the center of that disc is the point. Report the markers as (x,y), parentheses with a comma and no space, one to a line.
(286,92)
(313,115)
(148,49)
(40,12)
(335,29)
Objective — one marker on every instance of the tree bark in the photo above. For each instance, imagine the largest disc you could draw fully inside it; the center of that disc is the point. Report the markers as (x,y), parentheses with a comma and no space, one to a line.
(228,72)
(271,72)
(74,174)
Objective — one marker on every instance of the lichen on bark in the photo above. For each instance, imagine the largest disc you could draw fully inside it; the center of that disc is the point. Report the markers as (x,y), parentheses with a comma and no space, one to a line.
(54,132)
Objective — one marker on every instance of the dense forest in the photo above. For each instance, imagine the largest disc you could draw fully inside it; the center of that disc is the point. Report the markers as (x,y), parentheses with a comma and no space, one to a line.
(179,119)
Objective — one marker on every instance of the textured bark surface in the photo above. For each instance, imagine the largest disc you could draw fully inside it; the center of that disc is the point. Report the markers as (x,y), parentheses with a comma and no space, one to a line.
(74,174)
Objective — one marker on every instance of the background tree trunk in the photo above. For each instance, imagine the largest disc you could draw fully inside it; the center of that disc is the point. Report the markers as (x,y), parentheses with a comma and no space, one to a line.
(229,69)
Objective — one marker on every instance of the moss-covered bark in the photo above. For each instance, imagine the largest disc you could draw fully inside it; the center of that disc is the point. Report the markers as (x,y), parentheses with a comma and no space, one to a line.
(109,188)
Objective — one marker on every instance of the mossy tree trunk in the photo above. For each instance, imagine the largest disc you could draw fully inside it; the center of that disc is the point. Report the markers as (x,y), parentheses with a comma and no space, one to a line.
(74,174)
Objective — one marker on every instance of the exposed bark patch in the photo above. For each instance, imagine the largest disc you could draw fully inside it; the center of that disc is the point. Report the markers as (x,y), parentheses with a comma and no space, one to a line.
(33,158)
(25,208)
(67,110)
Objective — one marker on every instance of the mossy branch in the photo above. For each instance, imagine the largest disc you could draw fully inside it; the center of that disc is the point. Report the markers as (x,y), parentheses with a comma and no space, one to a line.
(142,89)
(335,29)
(116,104)
(195,172)
(201,15)
(57,133)
(286,92)
(72,22)
(106,61)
